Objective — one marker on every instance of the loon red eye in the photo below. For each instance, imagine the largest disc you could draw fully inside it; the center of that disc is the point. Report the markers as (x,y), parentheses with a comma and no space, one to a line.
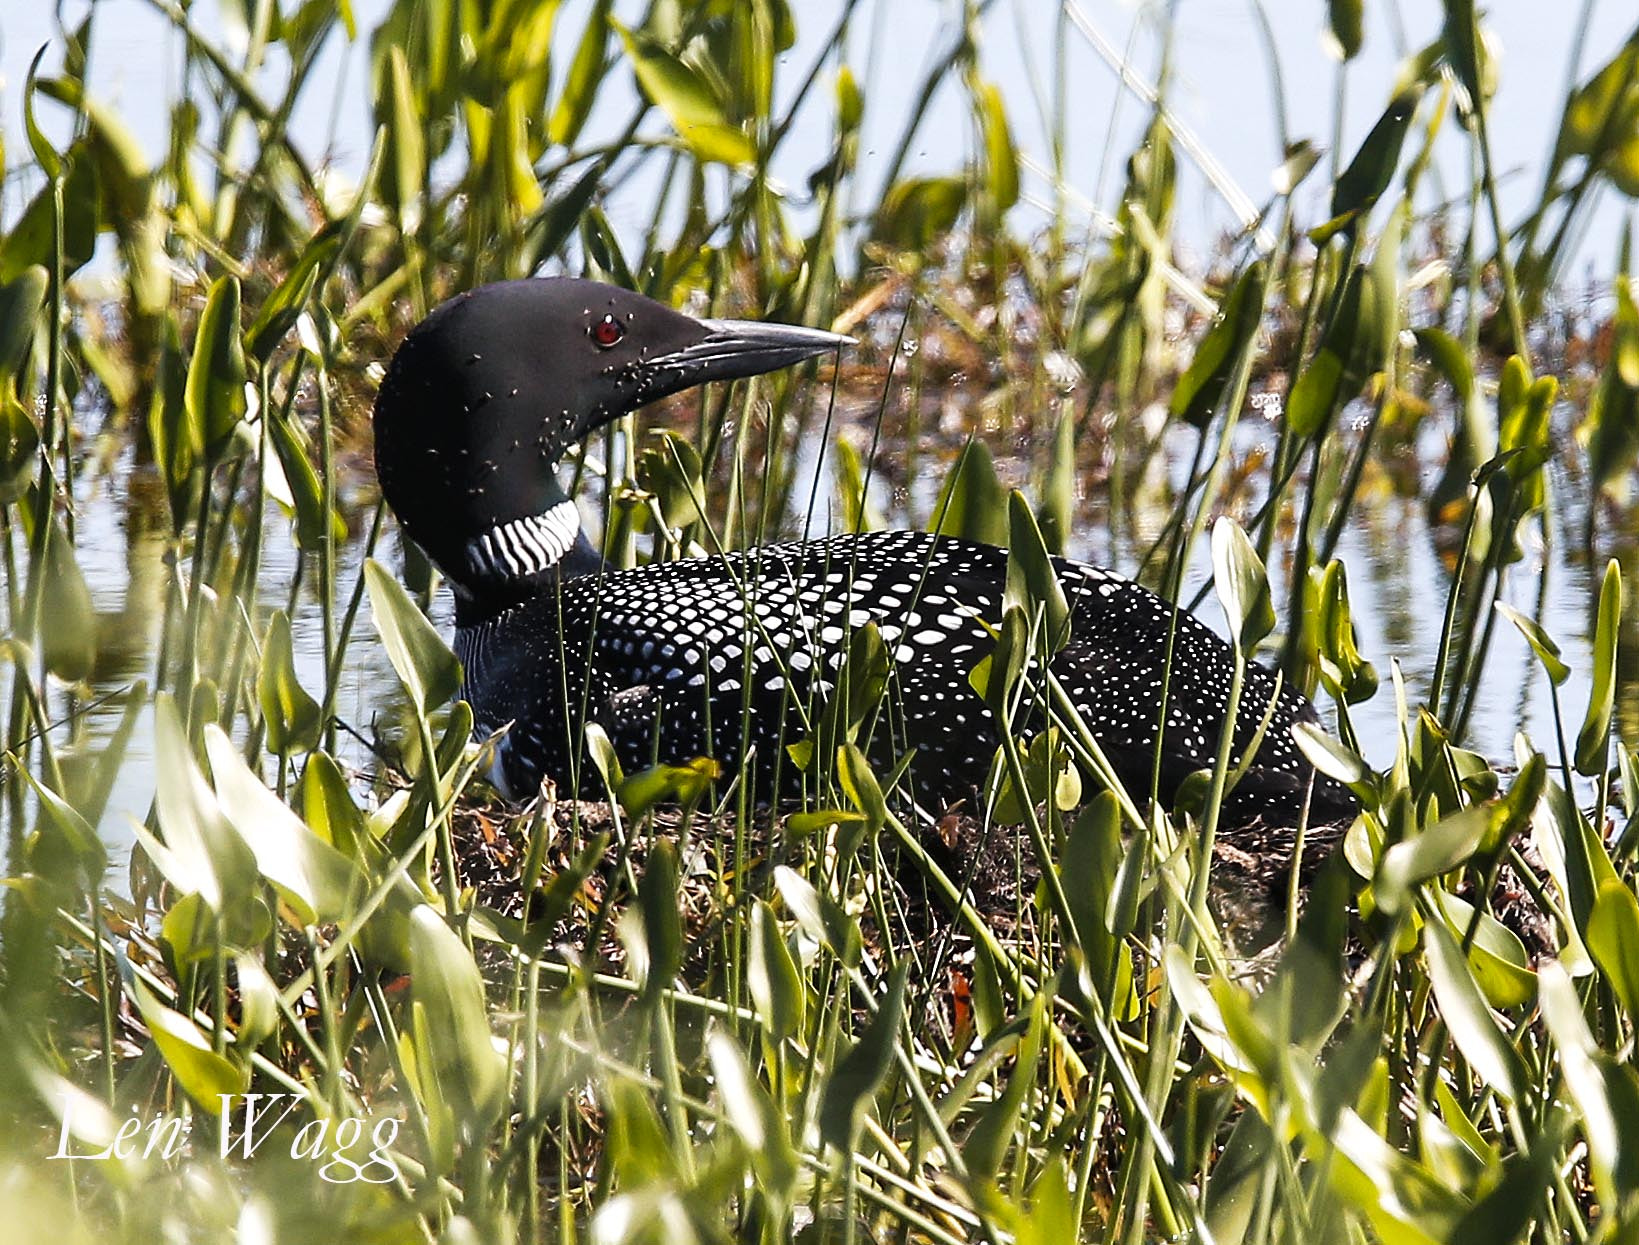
(607,331)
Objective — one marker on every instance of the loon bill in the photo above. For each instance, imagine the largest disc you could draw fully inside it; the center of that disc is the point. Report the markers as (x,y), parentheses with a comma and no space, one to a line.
(734,656)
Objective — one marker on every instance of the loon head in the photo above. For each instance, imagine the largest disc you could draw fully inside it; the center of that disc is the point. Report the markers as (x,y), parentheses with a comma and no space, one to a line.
(484,396)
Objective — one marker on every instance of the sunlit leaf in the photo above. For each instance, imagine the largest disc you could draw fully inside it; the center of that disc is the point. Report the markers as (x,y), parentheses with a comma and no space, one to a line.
(425,664)
(1592,741)
(861,1070)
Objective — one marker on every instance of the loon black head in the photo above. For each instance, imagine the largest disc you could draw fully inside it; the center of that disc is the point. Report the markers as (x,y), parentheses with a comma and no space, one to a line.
(485,395)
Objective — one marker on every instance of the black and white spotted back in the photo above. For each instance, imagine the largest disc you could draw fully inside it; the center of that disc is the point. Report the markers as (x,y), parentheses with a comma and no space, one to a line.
(736,656)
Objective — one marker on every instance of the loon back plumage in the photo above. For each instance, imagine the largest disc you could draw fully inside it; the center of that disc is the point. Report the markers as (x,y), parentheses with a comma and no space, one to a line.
(735,656)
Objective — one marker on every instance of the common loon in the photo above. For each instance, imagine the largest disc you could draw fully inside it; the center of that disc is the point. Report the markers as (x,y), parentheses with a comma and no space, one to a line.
(733,656)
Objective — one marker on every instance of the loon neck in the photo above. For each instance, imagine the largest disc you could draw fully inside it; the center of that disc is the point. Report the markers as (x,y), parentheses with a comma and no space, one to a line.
(519,559)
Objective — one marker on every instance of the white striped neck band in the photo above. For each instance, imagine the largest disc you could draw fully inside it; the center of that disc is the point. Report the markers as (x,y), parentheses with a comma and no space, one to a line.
(526,546)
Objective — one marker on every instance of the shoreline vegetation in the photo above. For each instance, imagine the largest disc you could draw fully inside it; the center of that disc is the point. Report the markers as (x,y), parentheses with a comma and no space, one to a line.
(1054,1014)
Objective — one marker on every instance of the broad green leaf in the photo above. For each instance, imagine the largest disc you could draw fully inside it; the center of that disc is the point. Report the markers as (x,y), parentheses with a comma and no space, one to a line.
(1497,957)
(859,1073)
(19,447)
(68,621)
(64,844)
(1542,644)
(751,1114)
(918,211)
(1332,758)
(458,1051)
(821,918)
(200,851)
(1469,1019)
(686,99)
(771,976)
(859,784)
(291,717)
(1055,514)
(281,308)
(407,157)
(1241,584)
(973,505)
(678,784)
(1368,175)
(658,894)
(215,392)
(204,1076)
(311,876)
(586,71)
(1592,741)
(1612,937)
(1444,846)
(21,300)
(988,1143)
(425,665)
(1032,580)
(1232,335)
(1604,1092)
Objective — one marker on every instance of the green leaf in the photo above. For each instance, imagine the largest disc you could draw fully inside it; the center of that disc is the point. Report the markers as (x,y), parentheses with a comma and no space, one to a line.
(1001,159)
(292,718)
(425,665)
(19,447)
(68,621)
(771,976)
(215,392)
(1542,644)
(204,1076)
(1242,585)
(751,1114)
(987,1144)
(1032,580)
(1055,515)
(658,893)
(1604,1092)
(972,504)
(686,99)
(200,851)
(1345,673)
(1441,848)
(580,88)
(21,300)
(1469,1020)
(457,1051)
(918,211)
(859,1073)
(1496,957)
(678,784)
(1612,937)
(1369,173)
(407,158)
(1450,359)
(1346,21)
(821,917)
(859,784)
(311,876)
(64,844)
(281,308)
(1232,336)
(1592,741)
(1332,758)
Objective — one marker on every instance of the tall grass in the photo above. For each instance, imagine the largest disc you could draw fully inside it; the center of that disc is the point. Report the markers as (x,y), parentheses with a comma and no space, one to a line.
(675,1016)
